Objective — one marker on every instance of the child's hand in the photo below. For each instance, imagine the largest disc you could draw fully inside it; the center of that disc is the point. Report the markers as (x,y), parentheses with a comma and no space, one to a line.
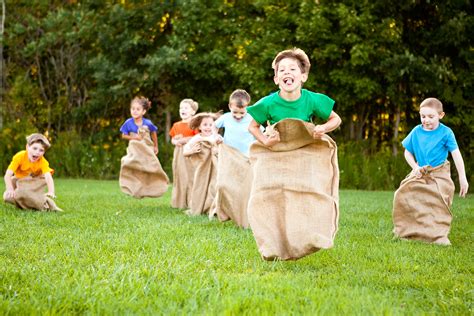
(9,194)
(420,171)
(182,141)
(138,137)
(463,187)
(196,148)
(51,195)
(273,139)
(219,139)
(319,131)
(155,150)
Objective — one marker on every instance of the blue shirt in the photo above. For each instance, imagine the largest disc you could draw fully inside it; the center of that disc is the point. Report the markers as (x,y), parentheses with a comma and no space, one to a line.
(236,133)
(130,127)
(430,147)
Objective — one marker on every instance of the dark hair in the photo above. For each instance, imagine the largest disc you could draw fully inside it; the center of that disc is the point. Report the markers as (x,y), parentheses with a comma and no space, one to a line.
(241,97)
(144,102)
(197,119)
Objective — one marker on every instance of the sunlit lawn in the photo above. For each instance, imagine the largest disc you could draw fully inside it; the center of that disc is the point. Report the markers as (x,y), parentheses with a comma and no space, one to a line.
(112,254)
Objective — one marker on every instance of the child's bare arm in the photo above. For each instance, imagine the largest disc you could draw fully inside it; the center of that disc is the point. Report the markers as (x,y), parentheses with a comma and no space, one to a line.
(9,190)
(332,123)
(50,184)
(176,140)
(413,164)
(193,146)
(131,137)
(254,129)
(154,137)
(459,162)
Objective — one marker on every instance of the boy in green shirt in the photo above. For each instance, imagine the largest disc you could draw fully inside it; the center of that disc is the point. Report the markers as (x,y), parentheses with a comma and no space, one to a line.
(291,101)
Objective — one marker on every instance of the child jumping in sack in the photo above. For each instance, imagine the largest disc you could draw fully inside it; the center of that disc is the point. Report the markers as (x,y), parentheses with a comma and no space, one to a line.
(27,176)
(201,152)
(293,205)
(421,207)
(141,174)
(180,134)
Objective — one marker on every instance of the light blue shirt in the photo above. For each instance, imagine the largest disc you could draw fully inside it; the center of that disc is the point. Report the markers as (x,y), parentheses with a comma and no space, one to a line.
(236,133)
(430,147)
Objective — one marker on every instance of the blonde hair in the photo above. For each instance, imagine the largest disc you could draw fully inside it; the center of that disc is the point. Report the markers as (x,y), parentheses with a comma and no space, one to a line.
(295,53)
(432,103)
(193,104)
(144,102)
(241,98)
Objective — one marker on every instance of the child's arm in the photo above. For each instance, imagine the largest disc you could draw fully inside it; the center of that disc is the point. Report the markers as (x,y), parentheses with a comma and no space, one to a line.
(254,129)
(132,137)
(459,162)
(332,123)
(154,137)
(413,164)
(9,190)
(50,183)
(176,140)
(193,146)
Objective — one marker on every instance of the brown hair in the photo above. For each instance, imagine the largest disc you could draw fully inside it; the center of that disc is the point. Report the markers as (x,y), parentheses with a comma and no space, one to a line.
(241,98)
(298,54)
(38,138)
(193,104)
(144,102)
(195,122)
(432,103)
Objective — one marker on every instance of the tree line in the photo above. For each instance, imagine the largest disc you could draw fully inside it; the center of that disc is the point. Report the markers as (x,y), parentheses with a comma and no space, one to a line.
(72,67)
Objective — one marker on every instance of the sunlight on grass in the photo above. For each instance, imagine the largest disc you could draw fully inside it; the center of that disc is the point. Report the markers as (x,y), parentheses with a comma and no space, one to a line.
(111,254)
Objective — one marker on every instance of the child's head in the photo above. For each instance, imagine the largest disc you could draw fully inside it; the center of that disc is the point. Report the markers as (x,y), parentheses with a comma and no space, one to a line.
(36,146)
(139,106)
(204,122)
(238,102)
(291,68)
(431,111)
(187,108)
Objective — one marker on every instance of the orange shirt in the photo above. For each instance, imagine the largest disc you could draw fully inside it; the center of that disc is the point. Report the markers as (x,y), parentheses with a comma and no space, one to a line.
(183,129)
(23,167)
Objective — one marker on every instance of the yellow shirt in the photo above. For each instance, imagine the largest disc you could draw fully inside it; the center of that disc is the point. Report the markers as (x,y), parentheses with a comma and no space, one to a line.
(23,167)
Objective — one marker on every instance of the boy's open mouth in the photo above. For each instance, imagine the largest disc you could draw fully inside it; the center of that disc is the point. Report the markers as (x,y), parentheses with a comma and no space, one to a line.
(288,81)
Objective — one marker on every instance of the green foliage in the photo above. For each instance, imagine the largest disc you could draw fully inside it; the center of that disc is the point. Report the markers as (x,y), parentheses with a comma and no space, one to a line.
(111,254)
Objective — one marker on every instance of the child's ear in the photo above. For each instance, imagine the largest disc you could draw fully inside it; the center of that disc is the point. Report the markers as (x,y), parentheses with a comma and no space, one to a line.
(275,79)
(304,77)
(441,115)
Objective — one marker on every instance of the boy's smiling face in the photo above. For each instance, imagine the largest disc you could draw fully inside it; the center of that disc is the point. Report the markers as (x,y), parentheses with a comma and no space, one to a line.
(288,75)
(237,112)
(430,118)
(35,152)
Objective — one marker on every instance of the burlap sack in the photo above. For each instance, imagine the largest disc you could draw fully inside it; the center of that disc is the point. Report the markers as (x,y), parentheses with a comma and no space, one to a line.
(421,206)
(204,180)
(30,194)
(234,180)
(181,188)
(293,209)
(141,174)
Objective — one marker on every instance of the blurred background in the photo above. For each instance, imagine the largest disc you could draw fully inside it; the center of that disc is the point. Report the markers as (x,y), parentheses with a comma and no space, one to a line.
(69,69)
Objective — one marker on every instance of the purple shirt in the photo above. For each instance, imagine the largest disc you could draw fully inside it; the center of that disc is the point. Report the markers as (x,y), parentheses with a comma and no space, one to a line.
(130,127)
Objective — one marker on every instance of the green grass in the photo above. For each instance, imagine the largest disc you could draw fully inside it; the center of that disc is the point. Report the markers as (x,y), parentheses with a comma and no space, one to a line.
(112,254)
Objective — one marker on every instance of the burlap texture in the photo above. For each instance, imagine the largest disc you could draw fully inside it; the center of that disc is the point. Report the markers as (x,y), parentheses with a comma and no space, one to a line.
(421,206)
(234,180)
(141,174)
(181,189)
(203,188)
(293,209)
(30,194)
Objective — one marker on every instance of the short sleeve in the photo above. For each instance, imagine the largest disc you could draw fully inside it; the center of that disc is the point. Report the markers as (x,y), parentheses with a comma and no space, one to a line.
(451,142)
(220,122)
(259,112)
(152,127)
(323,106)
(173,130)
(408,143)
(44,166)
(15,163)
(124,129)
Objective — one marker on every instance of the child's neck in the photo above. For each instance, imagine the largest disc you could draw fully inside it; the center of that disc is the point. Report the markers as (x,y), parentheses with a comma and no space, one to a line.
(138,121)
(290,96)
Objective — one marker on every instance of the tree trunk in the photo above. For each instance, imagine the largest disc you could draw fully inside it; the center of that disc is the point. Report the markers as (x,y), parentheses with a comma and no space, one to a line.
(395,131)
(167,125)
(2,28)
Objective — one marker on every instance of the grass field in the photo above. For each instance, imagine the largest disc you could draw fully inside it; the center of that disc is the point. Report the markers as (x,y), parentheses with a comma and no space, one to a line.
(112,254)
